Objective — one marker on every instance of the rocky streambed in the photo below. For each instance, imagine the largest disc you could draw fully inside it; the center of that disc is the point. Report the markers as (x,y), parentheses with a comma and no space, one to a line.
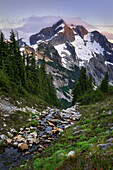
(31,140)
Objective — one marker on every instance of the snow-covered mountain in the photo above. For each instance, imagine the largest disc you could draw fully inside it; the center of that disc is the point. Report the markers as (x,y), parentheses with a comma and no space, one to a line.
(77,46)
(71,46)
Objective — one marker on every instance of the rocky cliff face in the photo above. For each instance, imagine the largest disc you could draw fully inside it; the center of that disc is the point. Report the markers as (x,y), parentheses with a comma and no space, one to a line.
(73,46)
(80,30)
(57,34)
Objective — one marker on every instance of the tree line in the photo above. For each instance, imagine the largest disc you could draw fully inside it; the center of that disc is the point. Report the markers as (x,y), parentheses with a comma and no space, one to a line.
(20,72)
(84,91)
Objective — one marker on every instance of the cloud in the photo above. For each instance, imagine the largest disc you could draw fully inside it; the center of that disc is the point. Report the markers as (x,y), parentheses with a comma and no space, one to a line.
(10,24)
(107,34)
(79,21)
(34,24)
(105,26)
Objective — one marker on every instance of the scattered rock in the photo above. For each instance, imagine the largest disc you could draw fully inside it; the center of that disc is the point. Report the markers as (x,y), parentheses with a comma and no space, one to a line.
(44,136)
(31,141)
(104,146)
(40,149)
(24,146)
(13,131)
(75,128)
(35,152)
(77,132)
(30,145)
(27,129)
(3,137)
(109,140)
(9,140)
(4,125)
(110,124)
(10,134)
(60,130)
(31,127)
(36,141)
(51,124)
(60,155)
(65,127)
(47,141)
(41,146)
(27,152)
(50,138)
(71,153)
(21,129)
(24,139)
(15,144)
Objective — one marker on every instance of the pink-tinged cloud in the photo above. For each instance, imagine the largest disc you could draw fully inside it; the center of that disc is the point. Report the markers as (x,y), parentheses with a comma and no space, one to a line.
(34,24)
(105,26)
(107,34)
(79,21)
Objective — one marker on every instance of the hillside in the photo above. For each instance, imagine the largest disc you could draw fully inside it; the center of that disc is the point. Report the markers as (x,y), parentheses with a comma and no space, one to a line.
(15,110)
(88,144)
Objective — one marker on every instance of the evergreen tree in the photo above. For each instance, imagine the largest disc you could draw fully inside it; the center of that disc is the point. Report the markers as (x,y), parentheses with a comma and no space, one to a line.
(82,86)
(105,83)
(76,92)
(33,68)
(14,58)
(90,84)
(2,50)
(39,89)
(83,80)
(17,71)
(22,71)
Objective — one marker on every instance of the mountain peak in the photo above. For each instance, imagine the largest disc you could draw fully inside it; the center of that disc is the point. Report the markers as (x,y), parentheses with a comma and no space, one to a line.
(60,23)
(80,30)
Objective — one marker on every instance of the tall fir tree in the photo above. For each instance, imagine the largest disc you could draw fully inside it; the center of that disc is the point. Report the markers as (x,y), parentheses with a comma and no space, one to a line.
(83,79)
(76,92)
(2,50)
(90,83)
(17,71)
(105,83)
(14,58)
(83,85)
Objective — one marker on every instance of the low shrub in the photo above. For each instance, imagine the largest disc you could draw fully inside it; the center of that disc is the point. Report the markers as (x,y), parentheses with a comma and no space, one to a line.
(92,140)
(87,121)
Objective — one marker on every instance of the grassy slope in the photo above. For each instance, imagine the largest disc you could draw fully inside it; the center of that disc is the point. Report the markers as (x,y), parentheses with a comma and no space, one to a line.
(95,123)
(18,118)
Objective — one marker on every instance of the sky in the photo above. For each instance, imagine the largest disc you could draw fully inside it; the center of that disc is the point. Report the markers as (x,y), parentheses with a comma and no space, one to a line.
(29,16)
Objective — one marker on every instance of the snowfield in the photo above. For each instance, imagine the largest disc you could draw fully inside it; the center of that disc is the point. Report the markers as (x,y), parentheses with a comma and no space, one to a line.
(85,49)
(62,51)
(108,63)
